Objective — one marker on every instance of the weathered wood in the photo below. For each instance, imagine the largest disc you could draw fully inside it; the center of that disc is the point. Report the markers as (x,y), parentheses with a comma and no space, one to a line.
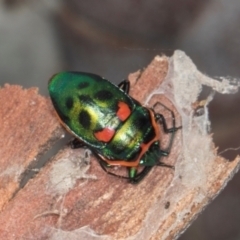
(73,198)
(28,129)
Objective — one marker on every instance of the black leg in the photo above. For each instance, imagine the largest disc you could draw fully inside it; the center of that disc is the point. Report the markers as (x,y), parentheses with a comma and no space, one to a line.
(136,179)
(161,164)
(75,143)
(124,85)
(160,118)
(105,166)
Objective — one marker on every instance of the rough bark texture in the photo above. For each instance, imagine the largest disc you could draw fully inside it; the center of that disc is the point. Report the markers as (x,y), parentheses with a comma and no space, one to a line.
(28,129)
(73,198)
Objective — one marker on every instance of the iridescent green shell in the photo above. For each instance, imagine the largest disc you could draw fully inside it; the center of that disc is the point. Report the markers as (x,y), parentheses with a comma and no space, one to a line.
(87,103)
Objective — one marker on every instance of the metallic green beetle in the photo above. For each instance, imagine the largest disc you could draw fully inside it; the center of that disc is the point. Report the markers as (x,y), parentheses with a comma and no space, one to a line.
(116,127)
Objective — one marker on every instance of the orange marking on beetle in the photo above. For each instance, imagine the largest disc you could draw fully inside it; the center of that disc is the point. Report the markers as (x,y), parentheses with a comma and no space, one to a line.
(104,135)
(123,111)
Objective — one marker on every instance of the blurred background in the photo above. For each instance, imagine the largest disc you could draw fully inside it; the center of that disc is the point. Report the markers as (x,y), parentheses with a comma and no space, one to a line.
(114,38)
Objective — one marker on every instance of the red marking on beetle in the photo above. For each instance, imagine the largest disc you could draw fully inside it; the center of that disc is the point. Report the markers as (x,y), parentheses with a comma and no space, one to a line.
(105,135)
(123,111)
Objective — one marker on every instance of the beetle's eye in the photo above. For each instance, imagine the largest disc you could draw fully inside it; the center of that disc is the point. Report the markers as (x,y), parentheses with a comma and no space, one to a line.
(103,95)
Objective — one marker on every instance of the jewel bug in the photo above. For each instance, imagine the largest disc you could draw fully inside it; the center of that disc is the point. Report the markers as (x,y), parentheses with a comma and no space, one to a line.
(116,127)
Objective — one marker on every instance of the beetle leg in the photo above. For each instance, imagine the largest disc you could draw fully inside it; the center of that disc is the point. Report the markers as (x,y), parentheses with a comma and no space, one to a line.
(133,177)
(132,172)
(161,164)
(138,177)
(105,165)
(124,85)
(172,130)
(75,143)
(160,118)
